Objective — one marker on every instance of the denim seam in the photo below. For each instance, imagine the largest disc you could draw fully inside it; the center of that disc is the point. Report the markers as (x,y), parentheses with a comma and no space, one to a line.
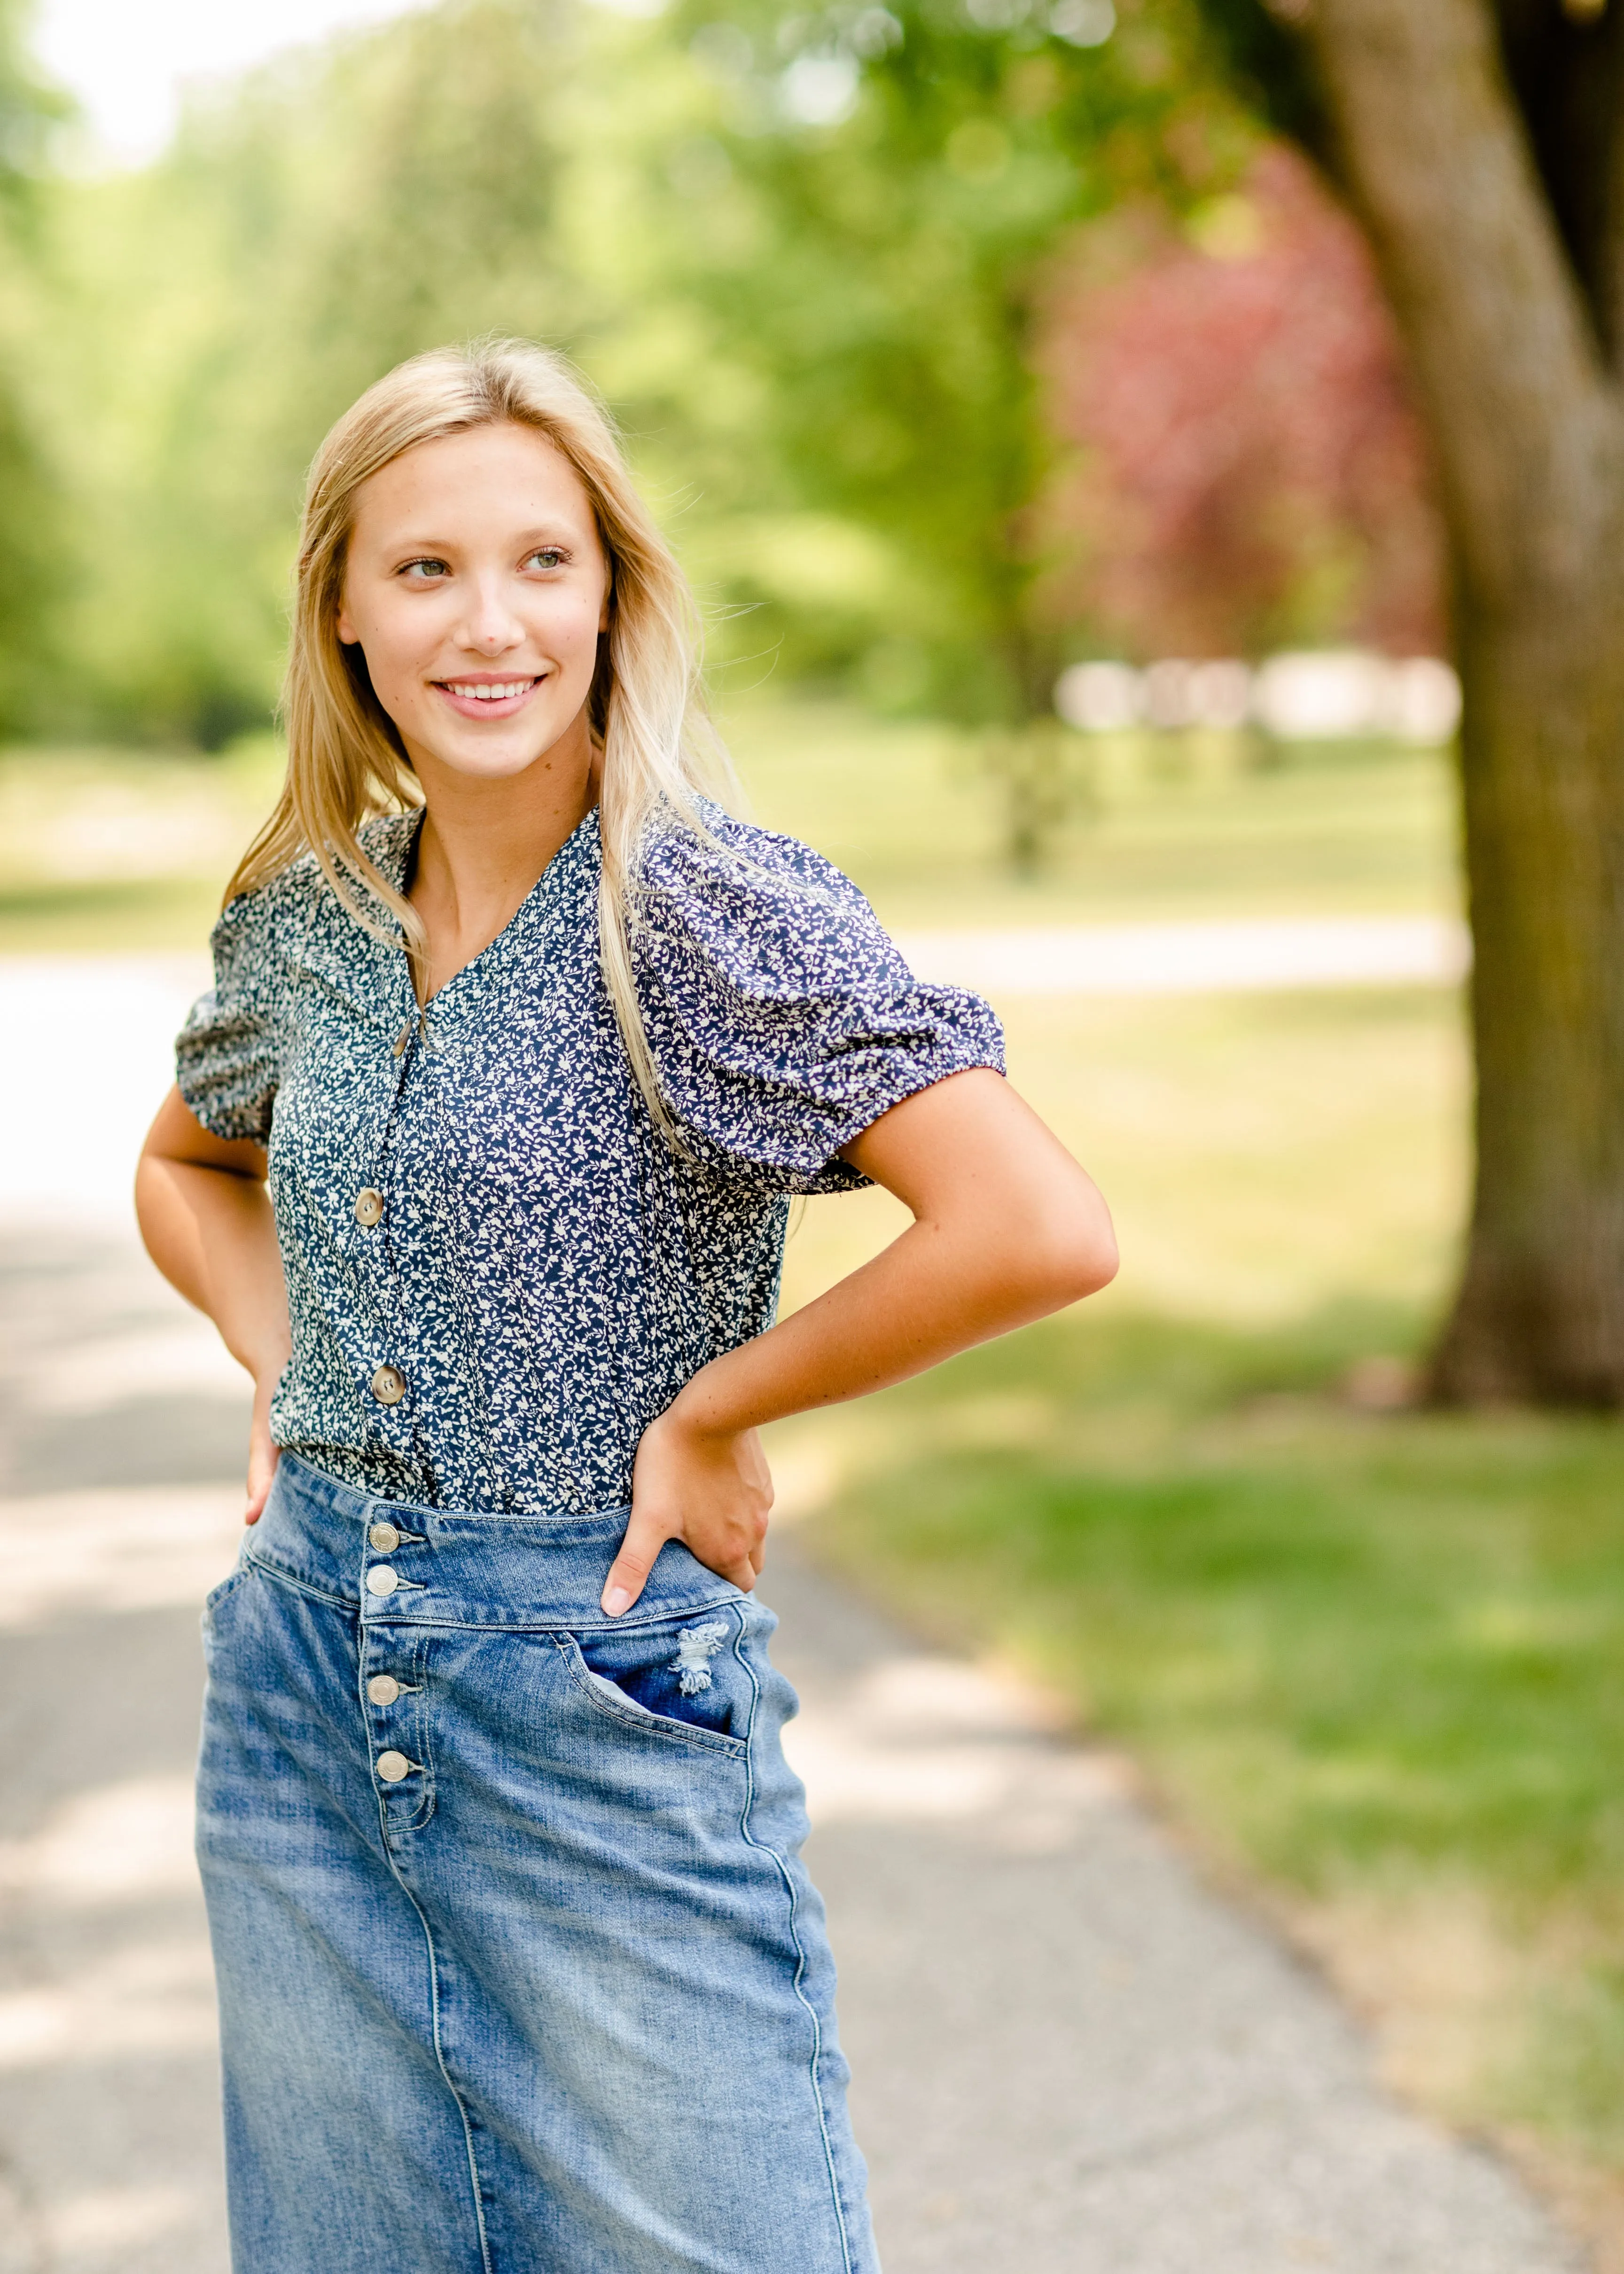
(552,1627)
(216,1595)
(648,1723)
(475,2181)
(304,1586)
(384,1831)
(765,1848)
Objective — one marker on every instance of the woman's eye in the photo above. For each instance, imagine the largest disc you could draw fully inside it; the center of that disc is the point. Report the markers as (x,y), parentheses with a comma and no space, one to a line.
(425,572)
(548,556)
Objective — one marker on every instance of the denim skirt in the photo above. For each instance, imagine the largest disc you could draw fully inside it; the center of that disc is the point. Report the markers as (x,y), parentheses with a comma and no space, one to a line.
(519,1967)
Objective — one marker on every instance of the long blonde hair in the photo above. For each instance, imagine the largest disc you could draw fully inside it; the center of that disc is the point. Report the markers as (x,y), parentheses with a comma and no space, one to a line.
(345,758)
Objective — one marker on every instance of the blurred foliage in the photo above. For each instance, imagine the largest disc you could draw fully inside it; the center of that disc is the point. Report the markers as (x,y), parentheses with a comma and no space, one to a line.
(1273,484)
(30,509)
(913,171)
(800,254)
(818,261)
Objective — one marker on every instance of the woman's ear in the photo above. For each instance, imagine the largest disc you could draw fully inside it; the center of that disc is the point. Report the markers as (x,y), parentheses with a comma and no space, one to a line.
(347,632)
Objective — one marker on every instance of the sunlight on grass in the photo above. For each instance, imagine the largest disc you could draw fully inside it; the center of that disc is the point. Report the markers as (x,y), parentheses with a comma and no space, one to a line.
(96,844)
(1179,825)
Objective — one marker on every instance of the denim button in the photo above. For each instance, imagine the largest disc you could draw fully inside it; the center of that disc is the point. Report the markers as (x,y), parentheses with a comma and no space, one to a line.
(393,1767)
(384,1537)
(383,1689)
(381,1580)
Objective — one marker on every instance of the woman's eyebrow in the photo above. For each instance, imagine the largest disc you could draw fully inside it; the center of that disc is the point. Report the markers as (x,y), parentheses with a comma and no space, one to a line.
(539,533)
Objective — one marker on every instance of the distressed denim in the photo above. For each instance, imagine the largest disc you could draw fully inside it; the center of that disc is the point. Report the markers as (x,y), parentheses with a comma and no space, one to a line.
(519,1967)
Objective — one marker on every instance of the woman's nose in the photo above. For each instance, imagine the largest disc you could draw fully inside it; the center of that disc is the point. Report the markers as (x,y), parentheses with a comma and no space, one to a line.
(490,625)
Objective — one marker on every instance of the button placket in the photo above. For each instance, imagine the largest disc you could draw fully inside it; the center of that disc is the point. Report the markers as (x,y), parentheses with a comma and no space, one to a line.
(398,1743)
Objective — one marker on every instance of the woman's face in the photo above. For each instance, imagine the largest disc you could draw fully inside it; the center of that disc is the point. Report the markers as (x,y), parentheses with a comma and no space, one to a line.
(476,586)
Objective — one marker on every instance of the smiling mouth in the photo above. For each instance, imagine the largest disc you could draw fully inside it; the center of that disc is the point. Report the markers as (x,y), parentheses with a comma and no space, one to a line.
(488,690)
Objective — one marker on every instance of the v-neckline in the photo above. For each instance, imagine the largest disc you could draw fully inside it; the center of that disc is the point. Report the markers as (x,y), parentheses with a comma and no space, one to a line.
(515,922)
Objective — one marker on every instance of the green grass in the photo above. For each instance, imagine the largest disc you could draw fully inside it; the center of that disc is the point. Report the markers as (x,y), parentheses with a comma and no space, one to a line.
(1356,1646)
(1372,1659)
(100,847)
(1180,825)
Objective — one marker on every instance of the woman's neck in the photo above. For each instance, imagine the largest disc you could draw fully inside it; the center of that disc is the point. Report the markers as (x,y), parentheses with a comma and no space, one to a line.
(484,845)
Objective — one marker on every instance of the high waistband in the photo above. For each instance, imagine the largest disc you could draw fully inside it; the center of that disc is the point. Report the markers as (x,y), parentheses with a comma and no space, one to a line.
(401,1564)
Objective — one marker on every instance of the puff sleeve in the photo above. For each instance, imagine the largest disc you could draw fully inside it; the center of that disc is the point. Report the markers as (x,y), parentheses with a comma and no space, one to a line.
(781,1017)
(227,1053)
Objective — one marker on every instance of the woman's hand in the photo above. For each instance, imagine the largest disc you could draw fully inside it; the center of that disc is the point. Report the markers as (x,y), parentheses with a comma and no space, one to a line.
(711,1488)
(263,1451)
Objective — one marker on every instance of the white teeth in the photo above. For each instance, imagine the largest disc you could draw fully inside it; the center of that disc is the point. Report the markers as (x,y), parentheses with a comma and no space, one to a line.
(499,692)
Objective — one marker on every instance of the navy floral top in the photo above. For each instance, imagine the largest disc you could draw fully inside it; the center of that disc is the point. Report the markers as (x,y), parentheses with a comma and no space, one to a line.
(499,1271)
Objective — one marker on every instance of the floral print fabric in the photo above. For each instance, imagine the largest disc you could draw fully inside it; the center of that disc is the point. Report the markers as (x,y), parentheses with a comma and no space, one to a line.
(499,1271)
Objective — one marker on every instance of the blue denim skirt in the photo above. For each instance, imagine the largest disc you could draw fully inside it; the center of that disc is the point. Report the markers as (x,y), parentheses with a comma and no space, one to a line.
(519,1967)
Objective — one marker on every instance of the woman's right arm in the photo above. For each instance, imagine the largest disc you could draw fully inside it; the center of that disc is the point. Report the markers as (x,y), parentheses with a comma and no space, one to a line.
(206,1218)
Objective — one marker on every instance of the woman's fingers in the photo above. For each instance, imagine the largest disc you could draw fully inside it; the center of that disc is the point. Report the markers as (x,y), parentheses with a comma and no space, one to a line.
(645,1536)
(263,1454)
(262,1458)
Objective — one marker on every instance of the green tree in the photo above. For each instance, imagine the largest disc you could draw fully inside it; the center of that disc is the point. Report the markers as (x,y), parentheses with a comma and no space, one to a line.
(912,170)
(30,567)
(337,211)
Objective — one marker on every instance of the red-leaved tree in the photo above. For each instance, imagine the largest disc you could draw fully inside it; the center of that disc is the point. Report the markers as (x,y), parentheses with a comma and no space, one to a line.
(1244,466)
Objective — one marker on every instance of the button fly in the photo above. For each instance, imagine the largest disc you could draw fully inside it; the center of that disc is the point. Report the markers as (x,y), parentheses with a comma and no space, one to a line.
(393,1767)
(368,1207)
(384,1537)
(389,1385)
(381,1580)
(383,1689)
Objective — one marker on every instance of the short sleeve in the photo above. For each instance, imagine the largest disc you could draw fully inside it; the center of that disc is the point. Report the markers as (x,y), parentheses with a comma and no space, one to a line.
(226,1054)
(782,1019)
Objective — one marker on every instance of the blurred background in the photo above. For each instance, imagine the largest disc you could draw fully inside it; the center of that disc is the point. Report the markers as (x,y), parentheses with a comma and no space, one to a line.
(1027,413)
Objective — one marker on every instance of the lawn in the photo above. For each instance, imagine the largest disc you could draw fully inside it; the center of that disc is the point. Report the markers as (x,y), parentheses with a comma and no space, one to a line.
(99,846)
(1367,1655)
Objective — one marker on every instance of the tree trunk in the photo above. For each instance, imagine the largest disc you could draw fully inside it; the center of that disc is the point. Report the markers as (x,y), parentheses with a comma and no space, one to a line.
(1528,422)
(1540,1311)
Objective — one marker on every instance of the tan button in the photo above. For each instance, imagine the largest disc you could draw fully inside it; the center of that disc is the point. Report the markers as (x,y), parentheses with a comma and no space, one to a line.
(389,1385)
(383,1689)
(381,1580)
(384,1537)
(393,1767)
(369,1207)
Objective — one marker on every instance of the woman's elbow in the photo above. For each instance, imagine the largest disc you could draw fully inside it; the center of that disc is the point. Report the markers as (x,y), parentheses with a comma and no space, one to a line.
(1070,1254)
(1083,1262)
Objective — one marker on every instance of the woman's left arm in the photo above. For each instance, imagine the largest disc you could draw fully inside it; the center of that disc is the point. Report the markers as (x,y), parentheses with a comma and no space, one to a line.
(1006,1229)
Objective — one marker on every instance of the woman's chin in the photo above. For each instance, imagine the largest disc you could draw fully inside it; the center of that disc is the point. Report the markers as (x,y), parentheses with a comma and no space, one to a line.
(485,752)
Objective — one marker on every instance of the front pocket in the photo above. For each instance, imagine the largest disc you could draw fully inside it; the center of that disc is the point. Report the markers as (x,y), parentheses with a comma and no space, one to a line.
(217,1595)
(682,1678)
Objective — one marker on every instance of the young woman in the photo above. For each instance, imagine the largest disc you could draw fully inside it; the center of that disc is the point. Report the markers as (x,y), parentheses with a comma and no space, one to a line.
(518,1964)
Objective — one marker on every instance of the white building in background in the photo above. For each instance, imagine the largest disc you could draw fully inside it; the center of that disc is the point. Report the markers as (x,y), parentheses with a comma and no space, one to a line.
(1333,694)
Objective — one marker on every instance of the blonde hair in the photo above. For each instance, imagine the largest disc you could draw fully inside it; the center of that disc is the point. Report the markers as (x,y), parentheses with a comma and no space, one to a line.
(345,758)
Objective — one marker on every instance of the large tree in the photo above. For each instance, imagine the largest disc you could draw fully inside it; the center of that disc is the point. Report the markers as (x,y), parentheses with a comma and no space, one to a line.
(1482,143)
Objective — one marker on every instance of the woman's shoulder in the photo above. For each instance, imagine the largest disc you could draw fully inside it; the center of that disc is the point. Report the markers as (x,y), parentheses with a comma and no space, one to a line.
(267,923)
(718,847)
(765,906)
